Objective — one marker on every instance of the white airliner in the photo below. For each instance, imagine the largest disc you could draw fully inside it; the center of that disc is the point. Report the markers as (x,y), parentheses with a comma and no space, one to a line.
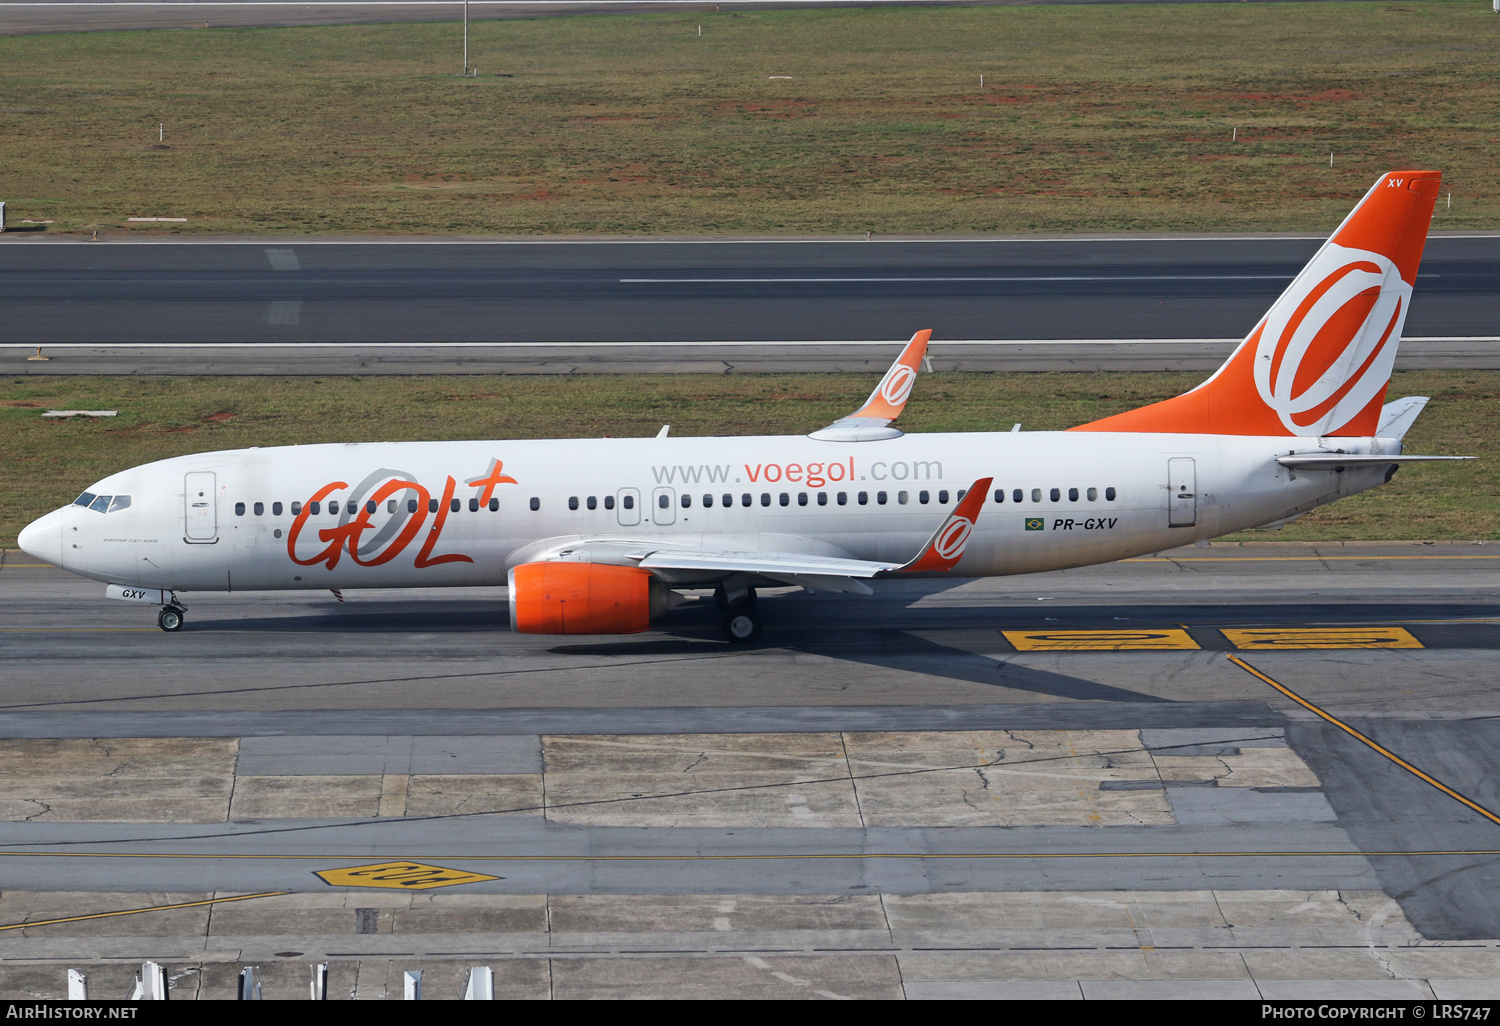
(599,536)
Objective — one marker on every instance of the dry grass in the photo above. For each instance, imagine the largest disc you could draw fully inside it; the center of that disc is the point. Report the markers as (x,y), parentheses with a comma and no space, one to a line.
(48,462)
(1097,118)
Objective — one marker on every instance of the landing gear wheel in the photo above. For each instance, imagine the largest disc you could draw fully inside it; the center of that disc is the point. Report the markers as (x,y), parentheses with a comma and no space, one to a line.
(170,618)
(741,623)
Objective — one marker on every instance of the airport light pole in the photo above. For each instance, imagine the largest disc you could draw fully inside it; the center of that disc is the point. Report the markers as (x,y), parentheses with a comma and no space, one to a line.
(466,38)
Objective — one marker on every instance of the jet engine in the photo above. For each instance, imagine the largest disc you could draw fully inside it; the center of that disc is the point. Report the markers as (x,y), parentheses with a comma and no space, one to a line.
(582,598)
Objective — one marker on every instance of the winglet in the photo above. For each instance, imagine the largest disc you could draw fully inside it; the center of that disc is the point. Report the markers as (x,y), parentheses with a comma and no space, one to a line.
(885,404)
(946,546)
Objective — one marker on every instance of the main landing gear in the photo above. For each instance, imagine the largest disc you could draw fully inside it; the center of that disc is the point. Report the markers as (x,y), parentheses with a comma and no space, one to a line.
(739,617)
(170,618)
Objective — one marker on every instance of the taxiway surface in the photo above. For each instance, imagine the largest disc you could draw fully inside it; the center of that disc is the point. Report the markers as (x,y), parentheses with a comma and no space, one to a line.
(1252,771)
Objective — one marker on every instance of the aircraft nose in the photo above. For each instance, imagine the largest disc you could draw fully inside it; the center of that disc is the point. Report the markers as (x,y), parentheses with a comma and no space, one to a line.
(42,538)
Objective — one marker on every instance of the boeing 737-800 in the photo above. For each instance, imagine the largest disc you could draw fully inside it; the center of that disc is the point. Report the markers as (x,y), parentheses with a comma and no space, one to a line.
(599,536)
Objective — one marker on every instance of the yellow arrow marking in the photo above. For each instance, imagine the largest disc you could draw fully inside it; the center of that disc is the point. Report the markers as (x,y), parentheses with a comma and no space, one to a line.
(1100,641)
(1271,638)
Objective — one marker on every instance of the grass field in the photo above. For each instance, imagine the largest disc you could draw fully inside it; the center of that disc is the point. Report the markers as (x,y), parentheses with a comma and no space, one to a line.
(48,462)
(1100,118)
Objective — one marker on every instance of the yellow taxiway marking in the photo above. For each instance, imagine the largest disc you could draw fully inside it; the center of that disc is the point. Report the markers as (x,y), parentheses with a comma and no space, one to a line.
(138,911)
(411,876)
(769,857)
(1288,692)
(1116,640)
(1272,638)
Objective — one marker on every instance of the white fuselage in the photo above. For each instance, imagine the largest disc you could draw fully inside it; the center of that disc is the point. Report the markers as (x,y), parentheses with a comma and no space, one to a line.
(1084,497)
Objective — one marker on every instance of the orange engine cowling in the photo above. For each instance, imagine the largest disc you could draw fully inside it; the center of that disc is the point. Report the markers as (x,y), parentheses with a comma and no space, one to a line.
(579,598)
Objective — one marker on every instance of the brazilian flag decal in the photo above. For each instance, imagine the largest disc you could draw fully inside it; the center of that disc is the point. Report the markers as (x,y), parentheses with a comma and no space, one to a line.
(1036,523)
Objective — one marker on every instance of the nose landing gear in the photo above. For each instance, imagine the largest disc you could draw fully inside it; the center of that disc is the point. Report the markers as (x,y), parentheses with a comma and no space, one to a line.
(170,617)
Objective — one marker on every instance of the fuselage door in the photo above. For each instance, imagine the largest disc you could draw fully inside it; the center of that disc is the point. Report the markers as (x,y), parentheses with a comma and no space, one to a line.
(1182,481)
(628,506)
(664,506)
(200,508)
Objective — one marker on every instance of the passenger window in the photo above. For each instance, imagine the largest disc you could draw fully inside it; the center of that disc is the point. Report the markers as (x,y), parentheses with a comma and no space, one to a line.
(609,502)
(84,500)
(536,503)
(1015,496)
(687,500)
(296,509)
(999,494)
(880,498)
(745,499)
(474,505)
(239,507)
(120,502)
(822,498)
(663,502)
(864,498)
(1109,495)
(572,502)
(314,508)
(1093,495)
(628,501)
(843,498)
(260,509)
(1055,495)
(1036,495)
(494,505)
(370,506)
(901,497)
(765,498)
(923,497)
(786,500)
(802,498)
(333,508)
(1072,494)
(593,502)
(961,493)
(708,501)
(275,509)
(455,505)
(390,505)
(727,499)
(943,496)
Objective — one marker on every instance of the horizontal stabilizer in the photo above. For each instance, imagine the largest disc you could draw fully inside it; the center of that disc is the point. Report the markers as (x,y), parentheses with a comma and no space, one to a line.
(1398,415)
(1341,461)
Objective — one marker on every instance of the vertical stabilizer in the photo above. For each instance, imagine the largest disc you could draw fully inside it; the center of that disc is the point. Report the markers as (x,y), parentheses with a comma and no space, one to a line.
(1319,361)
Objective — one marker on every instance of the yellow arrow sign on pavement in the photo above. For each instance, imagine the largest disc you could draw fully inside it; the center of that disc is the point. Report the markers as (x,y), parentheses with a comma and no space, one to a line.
(1321,637)
(409,876)
(1118,640)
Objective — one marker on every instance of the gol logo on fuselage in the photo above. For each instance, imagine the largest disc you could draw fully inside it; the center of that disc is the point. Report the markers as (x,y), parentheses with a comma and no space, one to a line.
(410,505)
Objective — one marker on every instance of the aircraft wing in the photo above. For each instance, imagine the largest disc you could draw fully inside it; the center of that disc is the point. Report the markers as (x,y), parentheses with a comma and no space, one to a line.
(942,553)
(872,420)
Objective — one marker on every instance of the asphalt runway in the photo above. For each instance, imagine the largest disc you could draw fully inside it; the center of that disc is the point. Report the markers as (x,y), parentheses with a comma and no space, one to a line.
(540,306)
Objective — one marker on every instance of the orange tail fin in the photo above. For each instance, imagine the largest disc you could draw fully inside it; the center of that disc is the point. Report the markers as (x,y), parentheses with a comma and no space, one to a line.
(1319,361)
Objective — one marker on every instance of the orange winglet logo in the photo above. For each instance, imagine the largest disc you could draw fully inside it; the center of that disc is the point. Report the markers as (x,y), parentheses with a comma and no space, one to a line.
(946,546)
(889,397)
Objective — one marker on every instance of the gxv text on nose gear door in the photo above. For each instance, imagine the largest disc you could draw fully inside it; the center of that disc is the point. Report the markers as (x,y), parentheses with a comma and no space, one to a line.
(200,521)
(1182,482)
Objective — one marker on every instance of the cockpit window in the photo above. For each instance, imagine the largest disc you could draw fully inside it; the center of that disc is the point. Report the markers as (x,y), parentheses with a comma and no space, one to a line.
(84,499)
(120,502)
(100,503)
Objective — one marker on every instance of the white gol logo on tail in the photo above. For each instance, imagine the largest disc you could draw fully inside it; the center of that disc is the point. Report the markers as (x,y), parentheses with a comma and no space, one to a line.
(897,384)
(950,543)
(1343,274)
